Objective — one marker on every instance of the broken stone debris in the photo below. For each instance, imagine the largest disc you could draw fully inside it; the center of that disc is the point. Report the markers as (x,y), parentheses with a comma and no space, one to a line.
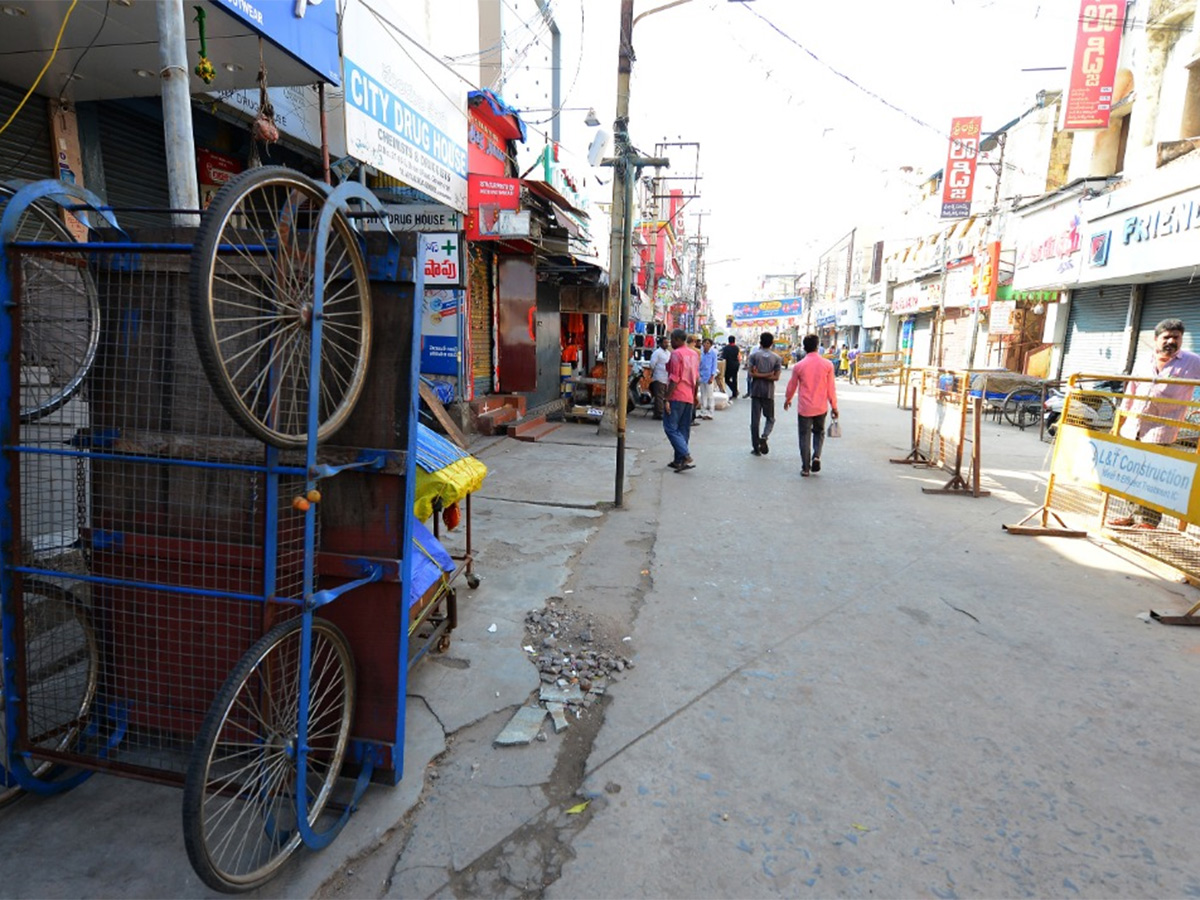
(522,727)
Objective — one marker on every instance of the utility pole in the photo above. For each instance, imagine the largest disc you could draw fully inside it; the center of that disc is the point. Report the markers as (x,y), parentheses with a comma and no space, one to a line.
(989,143)
(626,168)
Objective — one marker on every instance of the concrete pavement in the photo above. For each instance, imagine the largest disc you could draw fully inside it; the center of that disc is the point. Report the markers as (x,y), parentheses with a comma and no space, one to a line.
(844,687)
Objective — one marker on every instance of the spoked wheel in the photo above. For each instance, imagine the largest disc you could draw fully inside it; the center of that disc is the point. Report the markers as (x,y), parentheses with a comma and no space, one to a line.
(60,660)
(59,314)
(240,796)
(1020,409)
(253,282)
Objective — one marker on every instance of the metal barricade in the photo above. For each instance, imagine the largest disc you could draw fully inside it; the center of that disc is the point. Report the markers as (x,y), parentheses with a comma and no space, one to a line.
(1141,492)
(878,368)
(945,429)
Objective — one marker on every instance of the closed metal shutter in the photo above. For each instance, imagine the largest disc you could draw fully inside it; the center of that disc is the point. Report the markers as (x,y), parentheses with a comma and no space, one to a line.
(956,340)
(135,173)
(922,340)
(26,148)
(1169,300)
(479,305)
(1096,331)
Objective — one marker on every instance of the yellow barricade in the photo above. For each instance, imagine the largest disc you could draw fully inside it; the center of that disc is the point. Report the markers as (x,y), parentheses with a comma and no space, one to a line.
(878,368)
(945,428)
(1127,467)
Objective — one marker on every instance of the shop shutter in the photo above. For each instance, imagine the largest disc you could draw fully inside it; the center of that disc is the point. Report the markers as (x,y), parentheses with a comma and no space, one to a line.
(1169,300)
(480,306)
(956,341)
(1096,331)
(26,148)
(135,175)
(922,340)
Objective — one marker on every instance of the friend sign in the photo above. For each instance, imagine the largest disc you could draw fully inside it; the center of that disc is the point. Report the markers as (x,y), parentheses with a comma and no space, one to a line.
(407,120)
(1154,475)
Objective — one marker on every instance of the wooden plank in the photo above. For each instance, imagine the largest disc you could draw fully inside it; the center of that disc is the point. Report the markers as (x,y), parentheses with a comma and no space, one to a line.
(442,417)
(1045,531)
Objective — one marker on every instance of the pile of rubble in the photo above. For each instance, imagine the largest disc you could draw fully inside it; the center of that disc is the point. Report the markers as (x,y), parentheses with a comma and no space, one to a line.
(576,657)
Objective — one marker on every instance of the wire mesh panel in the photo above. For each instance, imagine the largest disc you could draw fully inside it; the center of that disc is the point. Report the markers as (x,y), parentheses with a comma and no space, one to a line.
(147,523)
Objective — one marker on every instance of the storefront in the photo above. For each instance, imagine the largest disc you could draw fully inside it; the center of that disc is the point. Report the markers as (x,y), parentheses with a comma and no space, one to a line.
(915,304)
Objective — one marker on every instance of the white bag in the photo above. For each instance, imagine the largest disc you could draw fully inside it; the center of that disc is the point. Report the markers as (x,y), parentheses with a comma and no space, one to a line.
(835,429)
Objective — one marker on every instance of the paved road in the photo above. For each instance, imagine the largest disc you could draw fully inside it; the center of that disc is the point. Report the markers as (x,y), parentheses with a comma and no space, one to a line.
(844,687)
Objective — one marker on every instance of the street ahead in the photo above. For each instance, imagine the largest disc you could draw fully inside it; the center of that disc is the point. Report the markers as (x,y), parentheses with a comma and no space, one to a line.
(842,687)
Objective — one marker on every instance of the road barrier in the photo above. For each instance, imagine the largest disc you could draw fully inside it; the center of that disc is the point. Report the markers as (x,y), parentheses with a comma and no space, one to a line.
(878,368)
(945,428)
(1101,479)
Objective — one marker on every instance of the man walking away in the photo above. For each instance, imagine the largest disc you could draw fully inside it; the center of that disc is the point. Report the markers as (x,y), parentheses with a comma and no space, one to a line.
(683,371)
(708,373)
(1145,420)
(763,368)
(658,378)
(812,383)
(730,354)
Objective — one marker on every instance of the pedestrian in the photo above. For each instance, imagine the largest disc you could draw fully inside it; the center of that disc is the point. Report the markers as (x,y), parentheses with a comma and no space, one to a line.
(844,361)
(682,373)
(708,374)
(731,356)
(658,378)
(1146,413)
(812,384)
(693,344)
(762,371)
(854,366)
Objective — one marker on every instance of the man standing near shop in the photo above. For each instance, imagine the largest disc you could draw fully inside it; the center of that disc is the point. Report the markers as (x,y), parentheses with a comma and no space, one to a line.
(658,378)
(812,384)
(683,371)
(762,368)
(730,354)
(1144,407)
(708,373)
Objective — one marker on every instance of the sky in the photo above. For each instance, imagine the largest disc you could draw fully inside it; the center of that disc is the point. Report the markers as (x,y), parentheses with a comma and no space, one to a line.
(802,108)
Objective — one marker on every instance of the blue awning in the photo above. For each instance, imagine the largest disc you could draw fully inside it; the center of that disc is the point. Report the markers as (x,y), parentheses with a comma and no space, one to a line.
(503,118)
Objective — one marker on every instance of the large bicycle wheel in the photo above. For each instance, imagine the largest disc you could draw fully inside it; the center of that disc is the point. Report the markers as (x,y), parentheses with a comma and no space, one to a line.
(253,283)
(60,661)
(240,795)
(1021,409)
(59,314)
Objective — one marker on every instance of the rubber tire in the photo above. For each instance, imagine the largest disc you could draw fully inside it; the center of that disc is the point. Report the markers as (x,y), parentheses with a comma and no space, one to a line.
(40,224)
(1020,410)
(210,739)
(201,277)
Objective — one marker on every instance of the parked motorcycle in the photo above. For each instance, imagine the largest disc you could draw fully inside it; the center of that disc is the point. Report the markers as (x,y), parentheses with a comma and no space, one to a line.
(1088,411)
(638,395)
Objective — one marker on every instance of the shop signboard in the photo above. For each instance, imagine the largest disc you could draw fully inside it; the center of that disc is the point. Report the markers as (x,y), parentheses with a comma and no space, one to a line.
(1158,236)
(485,150)
(406,120)
(1001,317)
(417,217)
(958,286)
(745,313)
(306,29)
(213,170)
(1050,247)
(494,204)
(297,113)
(1094,67)
(442,258)
(958,180)
(439,331)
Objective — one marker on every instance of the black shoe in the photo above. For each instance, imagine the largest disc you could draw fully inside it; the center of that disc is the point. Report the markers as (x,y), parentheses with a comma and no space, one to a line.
(816,464)
(762,445)
(756,452)
(673,465)
(685,467)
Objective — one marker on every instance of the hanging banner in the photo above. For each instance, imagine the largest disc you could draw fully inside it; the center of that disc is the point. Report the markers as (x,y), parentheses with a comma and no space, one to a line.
(749,313)
(406,120)
(958,181)
(1094,69)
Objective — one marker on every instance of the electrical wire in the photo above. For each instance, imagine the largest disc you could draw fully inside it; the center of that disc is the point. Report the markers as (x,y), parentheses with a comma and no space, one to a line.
(38,80)
(86,50)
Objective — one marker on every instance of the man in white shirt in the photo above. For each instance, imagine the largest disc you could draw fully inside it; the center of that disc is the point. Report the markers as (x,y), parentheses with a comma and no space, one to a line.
(658,378)
(1144,408)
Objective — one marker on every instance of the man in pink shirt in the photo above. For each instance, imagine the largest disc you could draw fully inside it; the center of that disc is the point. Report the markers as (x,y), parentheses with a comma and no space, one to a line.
(812,380)
(683,371)
(1145,411)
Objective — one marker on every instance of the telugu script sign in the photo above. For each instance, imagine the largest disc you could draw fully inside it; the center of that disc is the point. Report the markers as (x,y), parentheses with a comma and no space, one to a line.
(1094,68)
(958,181)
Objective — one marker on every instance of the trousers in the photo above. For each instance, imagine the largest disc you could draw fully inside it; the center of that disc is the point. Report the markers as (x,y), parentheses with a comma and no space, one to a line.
(812,438)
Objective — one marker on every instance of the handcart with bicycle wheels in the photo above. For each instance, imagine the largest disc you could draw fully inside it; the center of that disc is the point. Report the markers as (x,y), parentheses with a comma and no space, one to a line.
(1014,397)
(209,559)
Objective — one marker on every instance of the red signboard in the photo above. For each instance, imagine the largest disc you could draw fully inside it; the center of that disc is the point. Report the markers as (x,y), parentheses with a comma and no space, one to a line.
(958,181)
(485,151)
(487,195)
(986,276)
(1097,46)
